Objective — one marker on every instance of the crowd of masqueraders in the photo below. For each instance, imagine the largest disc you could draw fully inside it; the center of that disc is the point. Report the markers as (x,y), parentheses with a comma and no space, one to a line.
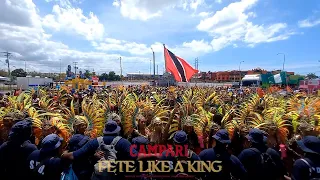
(245,149)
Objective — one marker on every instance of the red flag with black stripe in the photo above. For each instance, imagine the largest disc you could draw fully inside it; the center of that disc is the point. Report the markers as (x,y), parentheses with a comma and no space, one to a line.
(178,67)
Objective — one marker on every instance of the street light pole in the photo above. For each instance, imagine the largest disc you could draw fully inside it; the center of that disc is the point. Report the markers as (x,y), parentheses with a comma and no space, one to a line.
(284,60)
(240,70)
(150,67)
(25,65)
(60,73)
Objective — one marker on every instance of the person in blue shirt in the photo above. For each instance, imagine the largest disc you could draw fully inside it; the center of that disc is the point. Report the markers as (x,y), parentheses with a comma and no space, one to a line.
(14,152)
(308,167)
(180,138)
(82,167)
(231,166)
(138,142)
(255,164)
(110,132)
(45,164)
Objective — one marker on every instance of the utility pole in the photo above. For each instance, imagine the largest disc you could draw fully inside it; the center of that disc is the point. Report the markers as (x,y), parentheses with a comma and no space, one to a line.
(240,76)
(284,59)
(154,64)
(25,66)
(150,67)
(75,68)
(60,73)
(120,68)
(197,63)
(7,55)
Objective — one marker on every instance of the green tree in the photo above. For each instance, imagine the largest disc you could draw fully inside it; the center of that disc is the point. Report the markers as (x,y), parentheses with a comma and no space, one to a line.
(3,73)
(34,73)
(112,76)
(104,77)
(18,73)
(311,76)
(87,74)
(117,78)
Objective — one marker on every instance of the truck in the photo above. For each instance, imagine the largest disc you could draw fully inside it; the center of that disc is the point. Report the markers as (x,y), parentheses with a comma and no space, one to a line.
(33,82)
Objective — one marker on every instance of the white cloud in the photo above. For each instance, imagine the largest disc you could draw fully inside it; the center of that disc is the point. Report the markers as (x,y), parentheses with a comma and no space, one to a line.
(146,9)
(252,14)
(66,3)
(306,23)
(218,1)
(257,34)
(131,47)
(63,3)
(72,20)
(27,40)
(187,49)
(231,24)
(19,13)
(204,14)
(198,46)
(194,4)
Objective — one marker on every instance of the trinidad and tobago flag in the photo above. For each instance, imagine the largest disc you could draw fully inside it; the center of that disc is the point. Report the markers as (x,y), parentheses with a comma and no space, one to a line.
(178,67)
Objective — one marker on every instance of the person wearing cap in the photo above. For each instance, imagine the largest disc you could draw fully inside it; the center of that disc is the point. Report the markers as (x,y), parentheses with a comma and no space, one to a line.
(110,132)
(180,138)
(231,166)
(115,117)
(14,152)
(252,159)
(46,164)
(82,167)
(137,143)
(308,167)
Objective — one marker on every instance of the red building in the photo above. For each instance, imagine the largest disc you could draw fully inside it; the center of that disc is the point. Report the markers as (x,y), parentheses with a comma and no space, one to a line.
(222,76)
(232,76)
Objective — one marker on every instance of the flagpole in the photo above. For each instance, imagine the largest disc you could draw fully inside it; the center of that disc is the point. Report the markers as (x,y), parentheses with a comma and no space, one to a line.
(164,56)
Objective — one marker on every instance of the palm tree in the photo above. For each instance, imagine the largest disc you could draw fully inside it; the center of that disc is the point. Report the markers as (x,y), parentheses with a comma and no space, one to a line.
(311,76)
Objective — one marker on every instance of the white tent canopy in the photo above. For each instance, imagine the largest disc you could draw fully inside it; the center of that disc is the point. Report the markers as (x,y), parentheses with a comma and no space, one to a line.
(252,77)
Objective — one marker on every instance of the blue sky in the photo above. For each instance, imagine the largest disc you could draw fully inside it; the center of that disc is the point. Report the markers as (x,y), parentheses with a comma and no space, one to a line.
(221,33)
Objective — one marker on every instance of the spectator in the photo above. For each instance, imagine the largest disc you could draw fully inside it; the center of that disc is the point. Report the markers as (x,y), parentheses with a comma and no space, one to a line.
(45,164)
(14,152)
(260,161)
(231,166)
(309,166)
